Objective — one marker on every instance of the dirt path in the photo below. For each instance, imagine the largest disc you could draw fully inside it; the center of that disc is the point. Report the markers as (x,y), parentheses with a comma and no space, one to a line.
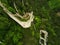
(28,38)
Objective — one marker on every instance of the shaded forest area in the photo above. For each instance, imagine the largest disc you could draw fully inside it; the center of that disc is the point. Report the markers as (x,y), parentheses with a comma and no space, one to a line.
(47,17)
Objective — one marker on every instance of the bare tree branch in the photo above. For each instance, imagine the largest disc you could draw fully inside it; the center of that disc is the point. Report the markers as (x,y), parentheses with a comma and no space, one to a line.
(24,24)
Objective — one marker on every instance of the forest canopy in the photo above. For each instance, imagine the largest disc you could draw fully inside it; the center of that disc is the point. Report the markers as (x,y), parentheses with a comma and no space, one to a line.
(46,17)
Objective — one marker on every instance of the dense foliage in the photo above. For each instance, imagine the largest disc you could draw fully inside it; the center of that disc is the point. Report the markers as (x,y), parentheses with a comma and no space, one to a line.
(46,18)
